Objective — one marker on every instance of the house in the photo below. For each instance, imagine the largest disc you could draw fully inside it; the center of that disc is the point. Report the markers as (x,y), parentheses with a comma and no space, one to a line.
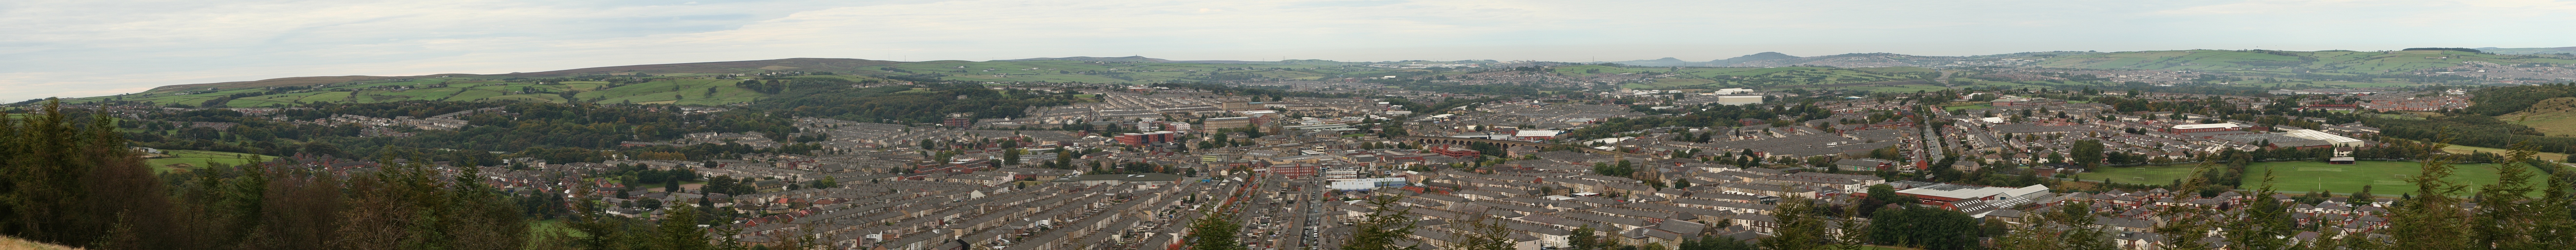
(1864,164)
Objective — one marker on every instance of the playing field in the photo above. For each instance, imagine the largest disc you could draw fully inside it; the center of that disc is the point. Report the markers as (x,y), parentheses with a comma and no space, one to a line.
(195,159)
(2384,177)
(2139,175)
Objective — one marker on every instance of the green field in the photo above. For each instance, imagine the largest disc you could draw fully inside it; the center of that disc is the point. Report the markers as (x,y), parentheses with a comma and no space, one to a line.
(195,158)
(2155,175)
(547,228)
(1970,106)
(2385,177)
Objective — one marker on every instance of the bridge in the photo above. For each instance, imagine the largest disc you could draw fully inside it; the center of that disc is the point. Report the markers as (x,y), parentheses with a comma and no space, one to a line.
(1465,141)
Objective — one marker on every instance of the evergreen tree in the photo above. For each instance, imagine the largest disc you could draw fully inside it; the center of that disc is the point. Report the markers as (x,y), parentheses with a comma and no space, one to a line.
(679,230)
(1483,233)
(1800,227)
(1381,228)
(2503,219)
(1584,238)
(1215,231)
(2263,224)
(2430,218)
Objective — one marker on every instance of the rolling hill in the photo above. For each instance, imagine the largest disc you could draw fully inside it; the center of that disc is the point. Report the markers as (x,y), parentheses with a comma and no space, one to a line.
(2528,51)
(2345,62)
(703,83)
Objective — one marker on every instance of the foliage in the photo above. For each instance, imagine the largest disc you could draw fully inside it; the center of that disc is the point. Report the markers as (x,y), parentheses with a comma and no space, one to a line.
(2067,227)
(1380,229)
(1800,226)
(1924,227)
(1483,233)
(837,99)
(1216,231)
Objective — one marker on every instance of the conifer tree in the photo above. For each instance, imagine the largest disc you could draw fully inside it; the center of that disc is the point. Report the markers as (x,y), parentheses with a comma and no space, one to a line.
(2430,217)
(1380,229)
(1215,231)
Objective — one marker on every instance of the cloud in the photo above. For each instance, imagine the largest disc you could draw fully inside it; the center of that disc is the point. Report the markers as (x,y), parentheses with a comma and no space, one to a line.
(69,48)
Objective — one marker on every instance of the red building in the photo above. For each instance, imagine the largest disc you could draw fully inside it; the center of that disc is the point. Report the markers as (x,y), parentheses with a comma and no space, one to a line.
(959,120)
(2332,107)
(1141,139)
(1296,170)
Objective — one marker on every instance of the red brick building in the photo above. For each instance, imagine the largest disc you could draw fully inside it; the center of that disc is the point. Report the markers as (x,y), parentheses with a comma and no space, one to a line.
(1141,139)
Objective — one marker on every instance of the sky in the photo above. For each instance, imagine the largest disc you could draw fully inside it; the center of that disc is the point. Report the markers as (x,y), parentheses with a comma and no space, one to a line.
(79,48)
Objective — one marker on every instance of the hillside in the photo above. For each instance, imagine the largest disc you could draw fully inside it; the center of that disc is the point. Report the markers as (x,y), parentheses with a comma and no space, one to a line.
(2528,51)
(2345,62)
(2553,116)
(711,83)
(844,65)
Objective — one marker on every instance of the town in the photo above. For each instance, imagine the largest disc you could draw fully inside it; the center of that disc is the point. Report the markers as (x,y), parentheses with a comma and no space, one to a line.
(1137,168)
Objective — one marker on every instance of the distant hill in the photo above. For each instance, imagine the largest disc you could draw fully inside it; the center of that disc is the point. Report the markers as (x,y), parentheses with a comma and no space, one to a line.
(1848,60)
(2528,51)
(1729,62)
(279,82)
(1127,59)
(842,65)
(1132,59)
(2334,61)
(1753,57)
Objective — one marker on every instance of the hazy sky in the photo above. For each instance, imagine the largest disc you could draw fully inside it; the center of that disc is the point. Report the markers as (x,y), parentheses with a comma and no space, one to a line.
(102,47)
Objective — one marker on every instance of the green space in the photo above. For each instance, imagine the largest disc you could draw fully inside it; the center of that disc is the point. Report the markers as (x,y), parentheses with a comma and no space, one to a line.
(1968,106)
(192,159)
(2154,175)
(2458,149)
(2384,177)
(547,228)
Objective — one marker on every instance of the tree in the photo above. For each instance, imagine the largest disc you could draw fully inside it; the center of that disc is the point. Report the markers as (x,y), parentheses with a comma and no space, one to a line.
(1584,238)
(2431,218)
(2067,227)
(2503,219)
(679,230)
(1924,227)
(2264,224)
(1800,227)
(1880,196)
(1484,233)
(2088,153)
(1715,243)
(1381,228)
(1011,157)
(1215,231)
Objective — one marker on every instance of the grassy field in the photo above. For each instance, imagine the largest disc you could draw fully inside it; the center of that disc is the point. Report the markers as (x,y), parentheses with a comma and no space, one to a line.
(2457,149)
(2139,175)
(2384,177)
(193,158)
(544,228)
(1970,106)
